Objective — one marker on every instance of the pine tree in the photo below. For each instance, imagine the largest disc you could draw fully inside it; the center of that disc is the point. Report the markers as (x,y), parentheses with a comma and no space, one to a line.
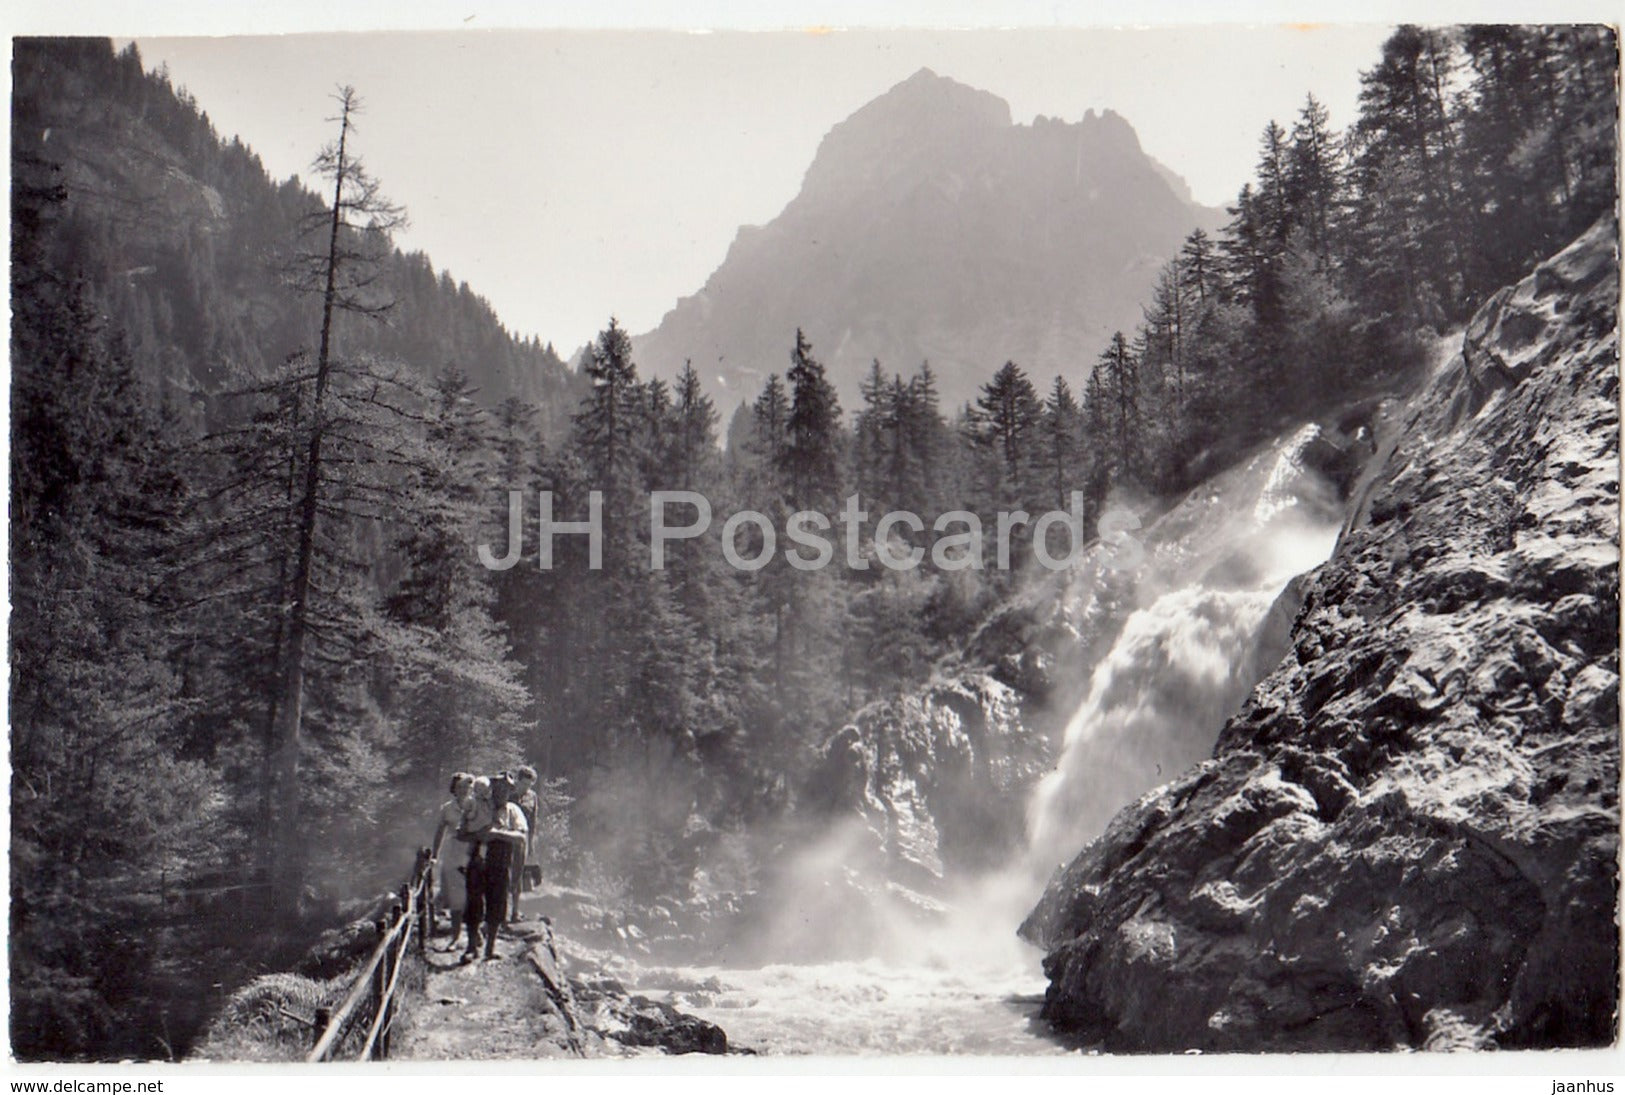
(927,441)
(692,463)
(1313,171)
(610,443)
(1248,251)
(810,459)
(1274,189)
(1005,422)
(1117,413)
(1165,333)
(693,447)
(1062,431)
(770,416)
(1198,267)
(869,440)
(610,438)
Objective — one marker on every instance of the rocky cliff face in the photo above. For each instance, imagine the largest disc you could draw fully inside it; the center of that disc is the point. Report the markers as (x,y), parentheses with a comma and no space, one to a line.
(1409,835)
(930,227)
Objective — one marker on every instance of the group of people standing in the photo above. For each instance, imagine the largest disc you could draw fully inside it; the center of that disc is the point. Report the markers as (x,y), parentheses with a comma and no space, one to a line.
(495,816)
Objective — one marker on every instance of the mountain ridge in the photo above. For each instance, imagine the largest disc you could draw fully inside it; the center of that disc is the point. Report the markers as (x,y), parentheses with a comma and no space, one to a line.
(930,226)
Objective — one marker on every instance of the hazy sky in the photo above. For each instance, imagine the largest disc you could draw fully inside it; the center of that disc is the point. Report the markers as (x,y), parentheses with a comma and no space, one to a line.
(569,175)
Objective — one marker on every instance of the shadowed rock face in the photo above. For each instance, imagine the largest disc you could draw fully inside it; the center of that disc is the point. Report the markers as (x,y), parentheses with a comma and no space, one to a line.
(1409,835)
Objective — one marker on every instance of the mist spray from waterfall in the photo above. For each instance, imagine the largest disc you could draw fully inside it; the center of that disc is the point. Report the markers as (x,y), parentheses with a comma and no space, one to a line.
(1189,639)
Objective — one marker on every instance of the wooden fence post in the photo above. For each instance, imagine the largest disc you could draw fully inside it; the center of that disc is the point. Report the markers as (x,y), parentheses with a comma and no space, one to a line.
(423,874)
(394,933)
(380,978)
(390,963)
(318,1026)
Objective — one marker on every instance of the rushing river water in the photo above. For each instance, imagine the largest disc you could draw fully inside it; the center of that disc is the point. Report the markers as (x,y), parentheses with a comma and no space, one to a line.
(877,1006)
(1185,655)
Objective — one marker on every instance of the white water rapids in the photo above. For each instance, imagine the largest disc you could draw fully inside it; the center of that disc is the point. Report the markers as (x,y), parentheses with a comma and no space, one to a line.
(1182,661)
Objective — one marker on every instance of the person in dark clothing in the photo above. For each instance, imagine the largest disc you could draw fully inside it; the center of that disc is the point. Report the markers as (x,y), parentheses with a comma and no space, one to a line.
(475,832)
(474,906)
(505,840)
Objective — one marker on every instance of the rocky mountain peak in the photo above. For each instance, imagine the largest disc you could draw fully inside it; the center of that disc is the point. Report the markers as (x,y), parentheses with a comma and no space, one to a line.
(926,116)
(1110,127)
(929,226)
(926,94)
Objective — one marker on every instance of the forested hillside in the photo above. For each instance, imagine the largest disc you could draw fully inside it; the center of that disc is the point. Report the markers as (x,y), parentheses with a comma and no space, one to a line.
(261,634)
(168,524)
(1476,152)
(189,249)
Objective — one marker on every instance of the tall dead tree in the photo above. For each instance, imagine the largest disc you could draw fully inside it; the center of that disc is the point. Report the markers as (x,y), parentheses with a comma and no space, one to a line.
(344,269)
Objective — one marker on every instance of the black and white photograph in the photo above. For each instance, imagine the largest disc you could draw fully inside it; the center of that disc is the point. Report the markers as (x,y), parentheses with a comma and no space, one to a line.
(814,543)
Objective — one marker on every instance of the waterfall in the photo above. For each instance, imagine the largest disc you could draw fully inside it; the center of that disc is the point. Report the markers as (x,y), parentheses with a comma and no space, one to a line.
(1187,654)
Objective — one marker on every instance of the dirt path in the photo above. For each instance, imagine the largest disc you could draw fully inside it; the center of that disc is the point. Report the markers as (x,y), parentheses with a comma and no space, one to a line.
(488,1010)
(529,1003)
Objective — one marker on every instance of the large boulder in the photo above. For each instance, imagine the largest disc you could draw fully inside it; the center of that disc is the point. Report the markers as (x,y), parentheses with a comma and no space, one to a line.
(936,777)
(655,1024)
(1409,835)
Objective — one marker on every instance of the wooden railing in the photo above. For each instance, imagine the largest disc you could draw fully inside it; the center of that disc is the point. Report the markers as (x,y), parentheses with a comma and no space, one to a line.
(371,997)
